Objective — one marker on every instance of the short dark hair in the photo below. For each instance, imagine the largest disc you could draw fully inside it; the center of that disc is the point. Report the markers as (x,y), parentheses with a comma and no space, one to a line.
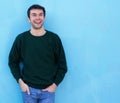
(35,6)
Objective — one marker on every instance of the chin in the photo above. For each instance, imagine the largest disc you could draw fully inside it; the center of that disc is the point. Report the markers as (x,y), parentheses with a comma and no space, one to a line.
(37,27)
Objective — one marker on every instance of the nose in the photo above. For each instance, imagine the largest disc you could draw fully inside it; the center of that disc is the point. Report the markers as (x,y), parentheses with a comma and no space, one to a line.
(37,17)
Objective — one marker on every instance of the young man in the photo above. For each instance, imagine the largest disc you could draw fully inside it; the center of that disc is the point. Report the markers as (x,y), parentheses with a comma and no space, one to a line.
(42,55)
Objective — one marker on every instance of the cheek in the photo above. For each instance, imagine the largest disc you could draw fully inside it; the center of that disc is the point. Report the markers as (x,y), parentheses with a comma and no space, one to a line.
(42,19)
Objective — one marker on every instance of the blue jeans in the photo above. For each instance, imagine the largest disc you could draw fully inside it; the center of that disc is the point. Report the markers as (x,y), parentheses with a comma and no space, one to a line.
(38,96)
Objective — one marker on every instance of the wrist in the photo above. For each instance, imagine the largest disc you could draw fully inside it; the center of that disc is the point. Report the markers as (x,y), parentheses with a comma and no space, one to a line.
(54,85)
(20,81)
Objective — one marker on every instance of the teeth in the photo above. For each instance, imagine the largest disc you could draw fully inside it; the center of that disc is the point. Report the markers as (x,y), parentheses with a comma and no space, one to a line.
(37,22)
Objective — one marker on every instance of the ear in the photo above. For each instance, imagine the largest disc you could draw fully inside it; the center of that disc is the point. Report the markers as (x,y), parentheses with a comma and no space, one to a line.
(28,19)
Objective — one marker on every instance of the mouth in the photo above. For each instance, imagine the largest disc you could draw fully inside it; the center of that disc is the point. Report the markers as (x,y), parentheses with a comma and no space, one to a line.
(37,22)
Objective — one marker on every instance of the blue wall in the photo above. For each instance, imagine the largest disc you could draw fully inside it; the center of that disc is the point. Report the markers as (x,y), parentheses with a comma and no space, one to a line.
(90,33)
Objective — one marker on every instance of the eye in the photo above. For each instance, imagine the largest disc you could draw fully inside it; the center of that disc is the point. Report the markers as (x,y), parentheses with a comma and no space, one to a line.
(33,14)
(41,14)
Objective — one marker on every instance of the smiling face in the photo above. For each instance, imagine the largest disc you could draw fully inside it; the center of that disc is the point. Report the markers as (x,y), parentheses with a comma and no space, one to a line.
(36,18)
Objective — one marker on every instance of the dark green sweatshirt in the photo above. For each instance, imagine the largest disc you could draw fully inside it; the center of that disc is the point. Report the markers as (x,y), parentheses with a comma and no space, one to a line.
(43,59)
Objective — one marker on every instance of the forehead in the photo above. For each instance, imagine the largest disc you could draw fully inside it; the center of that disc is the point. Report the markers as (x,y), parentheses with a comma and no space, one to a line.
(37,11)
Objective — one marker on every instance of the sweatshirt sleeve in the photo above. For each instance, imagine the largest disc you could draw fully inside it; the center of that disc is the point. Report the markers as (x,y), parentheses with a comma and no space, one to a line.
(60,61)
(14,59)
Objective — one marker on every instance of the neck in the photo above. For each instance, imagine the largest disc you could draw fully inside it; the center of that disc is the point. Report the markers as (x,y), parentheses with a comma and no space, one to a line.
(38,32)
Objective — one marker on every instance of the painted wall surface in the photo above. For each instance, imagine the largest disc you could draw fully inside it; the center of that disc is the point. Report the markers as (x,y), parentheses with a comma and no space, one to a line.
(90,32)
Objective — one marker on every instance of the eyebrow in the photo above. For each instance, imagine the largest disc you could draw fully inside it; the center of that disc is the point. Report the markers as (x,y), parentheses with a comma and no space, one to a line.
(36,13)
